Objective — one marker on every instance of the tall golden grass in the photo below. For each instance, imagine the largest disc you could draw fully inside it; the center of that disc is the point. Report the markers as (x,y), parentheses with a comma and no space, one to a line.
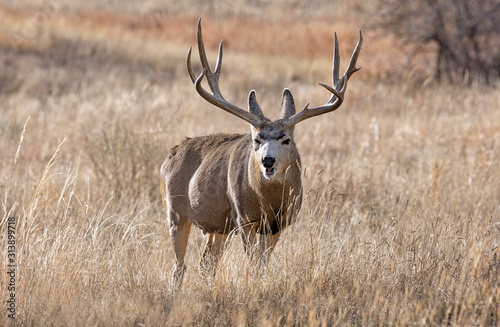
(400,223)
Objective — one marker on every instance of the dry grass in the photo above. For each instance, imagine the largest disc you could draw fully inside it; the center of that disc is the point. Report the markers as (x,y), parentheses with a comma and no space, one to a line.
(400,223)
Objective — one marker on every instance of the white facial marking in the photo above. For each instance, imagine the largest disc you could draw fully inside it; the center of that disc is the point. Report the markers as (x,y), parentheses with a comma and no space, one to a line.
(272,153)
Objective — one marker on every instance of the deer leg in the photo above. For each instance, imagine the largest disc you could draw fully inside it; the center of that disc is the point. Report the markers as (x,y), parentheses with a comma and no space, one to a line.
(259,247)
(267,243)
(179,234)
(214,247)
(250,240)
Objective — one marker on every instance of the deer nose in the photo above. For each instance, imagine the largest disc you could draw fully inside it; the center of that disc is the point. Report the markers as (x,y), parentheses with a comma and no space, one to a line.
(268,162)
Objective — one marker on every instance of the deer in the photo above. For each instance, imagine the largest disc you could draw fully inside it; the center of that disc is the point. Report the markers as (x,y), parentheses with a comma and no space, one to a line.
(248,184)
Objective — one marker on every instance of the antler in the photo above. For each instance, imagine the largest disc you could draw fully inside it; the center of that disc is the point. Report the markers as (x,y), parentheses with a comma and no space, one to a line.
(339,85)
(213,82)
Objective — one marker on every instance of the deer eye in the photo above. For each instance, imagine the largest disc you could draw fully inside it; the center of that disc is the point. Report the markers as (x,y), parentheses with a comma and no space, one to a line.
(256,141)
(287,141)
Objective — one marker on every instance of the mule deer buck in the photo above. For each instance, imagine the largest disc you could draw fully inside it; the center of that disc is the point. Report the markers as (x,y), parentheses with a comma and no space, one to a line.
(242,183)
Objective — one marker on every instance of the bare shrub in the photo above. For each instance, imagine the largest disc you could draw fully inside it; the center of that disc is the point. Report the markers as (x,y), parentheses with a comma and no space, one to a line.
(465,34)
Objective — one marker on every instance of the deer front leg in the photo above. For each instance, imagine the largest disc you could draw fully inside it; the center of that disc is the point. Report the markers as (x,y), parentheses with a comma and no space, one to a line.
(214,247)
(249,237)
(267,242)
(258,247)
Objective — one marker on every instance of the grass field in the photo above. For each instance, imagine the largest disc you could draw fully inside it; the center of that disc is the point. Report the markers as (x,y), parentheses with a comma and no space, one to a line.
(401,218)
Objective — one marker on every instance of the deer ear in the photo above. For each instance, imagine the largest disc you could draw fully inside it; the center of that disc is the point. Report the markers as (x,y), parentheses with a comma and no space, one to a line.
(287,105)
(253,106)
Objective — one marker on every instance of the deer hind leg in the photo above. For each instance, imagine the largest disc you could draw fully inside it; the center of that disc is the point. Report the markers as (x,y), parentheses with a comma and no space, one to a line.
(214,247)
(179,234)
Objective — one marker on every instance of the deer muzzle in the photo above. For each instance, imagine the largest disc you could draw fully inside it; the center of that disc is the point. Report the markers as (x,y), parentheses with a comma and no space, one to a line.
(268,163)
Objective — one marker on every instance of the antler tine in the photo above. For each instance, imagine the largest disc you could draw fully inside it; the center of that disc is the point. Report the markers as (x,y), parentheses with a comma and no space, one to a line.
(337,82)
(339,85)
(336,62)
(212,78)
(216,97)
(190,69)
(351,69)
(218,65)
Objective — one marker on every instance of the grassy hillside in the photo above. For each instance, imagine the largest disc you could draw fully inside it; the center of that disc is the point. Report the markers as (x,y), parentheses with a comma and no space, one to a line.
(400,224)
